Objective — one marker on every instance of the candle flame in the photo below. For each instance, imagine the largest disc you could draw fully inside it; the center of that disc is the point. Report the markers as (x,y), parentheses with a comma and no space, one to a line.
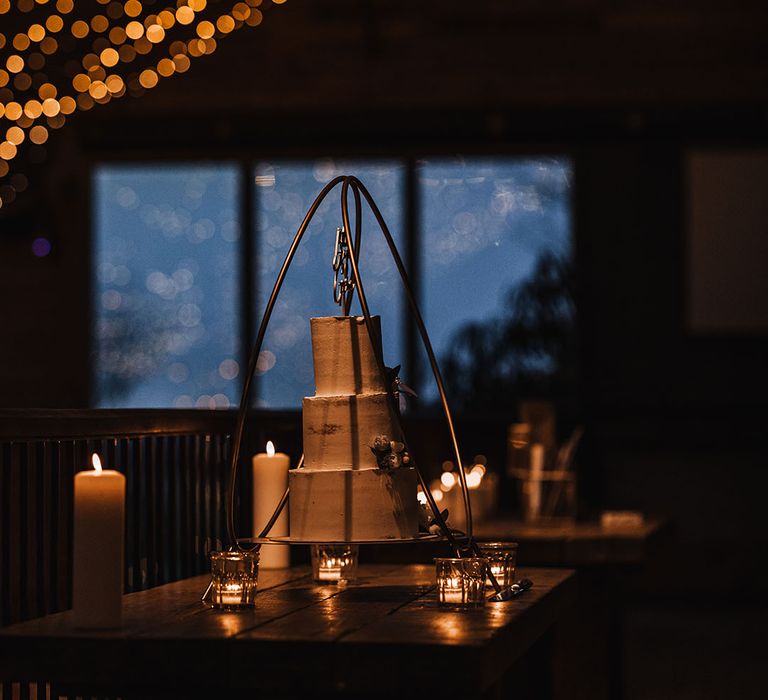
(270,448)
(96,462)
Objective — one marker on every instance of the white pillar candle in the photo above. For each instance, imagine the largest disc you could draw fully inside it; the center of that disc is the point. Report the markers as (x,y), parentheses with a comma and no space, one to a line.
(97,564)
(270,479)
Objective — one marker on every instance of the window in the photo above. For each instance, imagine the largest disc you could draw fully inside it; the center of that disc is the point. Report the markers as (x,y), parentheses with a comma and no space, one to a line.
(495,252)
(166,286)
(284,193)
(492,254)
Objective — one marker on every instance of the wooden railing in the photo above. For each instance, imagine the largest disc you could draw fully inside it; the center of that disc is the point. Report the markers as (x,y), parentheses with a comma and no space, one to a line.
(175,463)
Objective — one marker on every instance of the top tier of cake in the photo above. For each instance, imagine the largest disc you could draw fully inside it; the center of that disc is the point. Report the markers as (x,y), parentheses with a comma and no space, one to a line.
(344,358)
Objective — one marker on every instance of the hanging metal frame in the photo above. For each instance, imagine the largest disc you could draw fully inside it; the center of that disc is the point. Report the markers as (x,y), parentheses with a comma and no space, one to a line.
(463,544)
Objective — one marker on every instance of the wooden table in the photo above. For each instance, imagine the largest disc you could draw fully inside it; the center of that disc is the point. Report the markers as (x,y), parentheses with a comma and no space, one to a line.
(383,635)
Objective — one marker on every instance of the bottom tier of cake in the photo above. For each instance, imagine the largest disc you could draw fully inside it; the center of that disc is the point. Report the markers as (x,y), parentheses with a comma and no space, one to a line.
(351,504)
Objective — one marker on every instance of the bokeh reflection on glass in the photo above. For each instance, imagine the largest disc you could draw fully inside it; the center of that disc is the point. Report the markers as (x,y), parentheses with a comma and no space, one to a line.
(166,291)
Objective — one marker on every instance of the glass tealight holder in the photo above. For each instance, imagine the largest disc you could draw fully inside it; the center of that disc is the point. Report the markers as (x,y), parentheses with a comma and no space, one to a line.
(502,561)
(461,582)
(334,563)
(234,578)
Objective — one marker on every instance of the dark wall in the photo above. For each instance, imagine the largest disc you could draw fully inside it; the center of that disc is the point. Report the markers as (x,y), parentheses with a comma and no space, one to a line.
(675,420)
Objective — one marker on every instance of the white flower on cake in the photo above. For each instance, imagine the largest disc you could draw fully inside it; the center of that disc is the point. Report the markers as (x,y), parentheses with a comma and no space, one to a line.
(390,454)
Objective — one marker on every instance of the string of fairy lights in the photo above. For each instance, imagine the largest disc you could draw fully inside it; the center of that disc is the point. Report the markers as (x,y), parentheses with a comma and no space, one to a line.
(71,55)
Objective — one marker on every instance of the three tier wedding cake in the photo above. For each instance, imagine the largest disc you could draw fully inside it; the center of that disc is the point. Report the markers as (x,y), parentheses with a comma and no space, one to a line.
(356,483)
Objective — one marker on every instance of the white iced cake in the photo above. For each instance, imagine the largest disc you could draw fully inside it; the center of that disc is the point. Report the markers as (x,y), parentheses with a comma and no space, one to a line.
(341,493)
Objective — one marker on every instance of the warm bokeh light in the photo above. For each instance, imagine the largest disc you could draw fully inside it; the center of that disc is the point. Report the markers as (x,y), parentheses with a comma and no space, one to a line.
(97,90)
(36,32)
(67,105)
(54,24)
(123,31)
(51,107)
(14,64)
(155,33)
(185,15)
(14,135)
(33,109)
(132,8)
(148,78)
(109,57)
(134,30)
(166,67)
(115,84)
(81,82)
(117,35)
(46,90)
(447,480)
(181,62)
(205,29)
(38,134)
(13,111)
(80,29)
(21,42)
(166,19)
(49,46)
(7,150)
(225,24)
(241,11)
(99,24)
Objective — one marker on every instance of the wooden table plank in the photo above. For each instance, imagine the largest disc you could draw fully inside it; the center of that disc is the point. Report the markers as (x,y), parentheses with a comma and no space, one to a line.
(342,637)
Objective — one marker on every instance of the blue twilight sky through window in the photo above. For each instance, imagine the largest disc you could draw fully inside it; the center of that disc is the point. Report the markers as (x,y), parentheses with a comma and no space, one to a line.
(484,224)
(166,306)
(284,193)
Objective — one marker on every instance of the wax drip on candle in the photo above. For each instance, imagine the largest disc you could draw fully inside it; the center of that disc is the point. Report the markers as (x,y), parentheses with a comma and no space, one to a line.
(270,448)
(96,462)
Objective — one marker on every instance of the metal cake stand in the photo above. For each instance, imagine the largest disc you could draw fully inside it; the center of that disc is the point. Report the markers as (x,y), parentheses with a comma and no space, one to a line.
(346,256)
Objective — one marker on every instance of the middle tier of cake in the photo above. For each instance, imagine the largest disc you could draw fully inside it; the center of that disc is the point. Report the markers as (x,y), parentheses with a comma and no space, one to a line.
(339,430)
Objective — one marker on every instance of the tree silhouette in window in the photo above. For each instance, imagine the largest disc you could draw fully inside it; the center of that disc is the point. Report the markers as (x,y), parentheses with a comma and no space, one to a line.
(530,350)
